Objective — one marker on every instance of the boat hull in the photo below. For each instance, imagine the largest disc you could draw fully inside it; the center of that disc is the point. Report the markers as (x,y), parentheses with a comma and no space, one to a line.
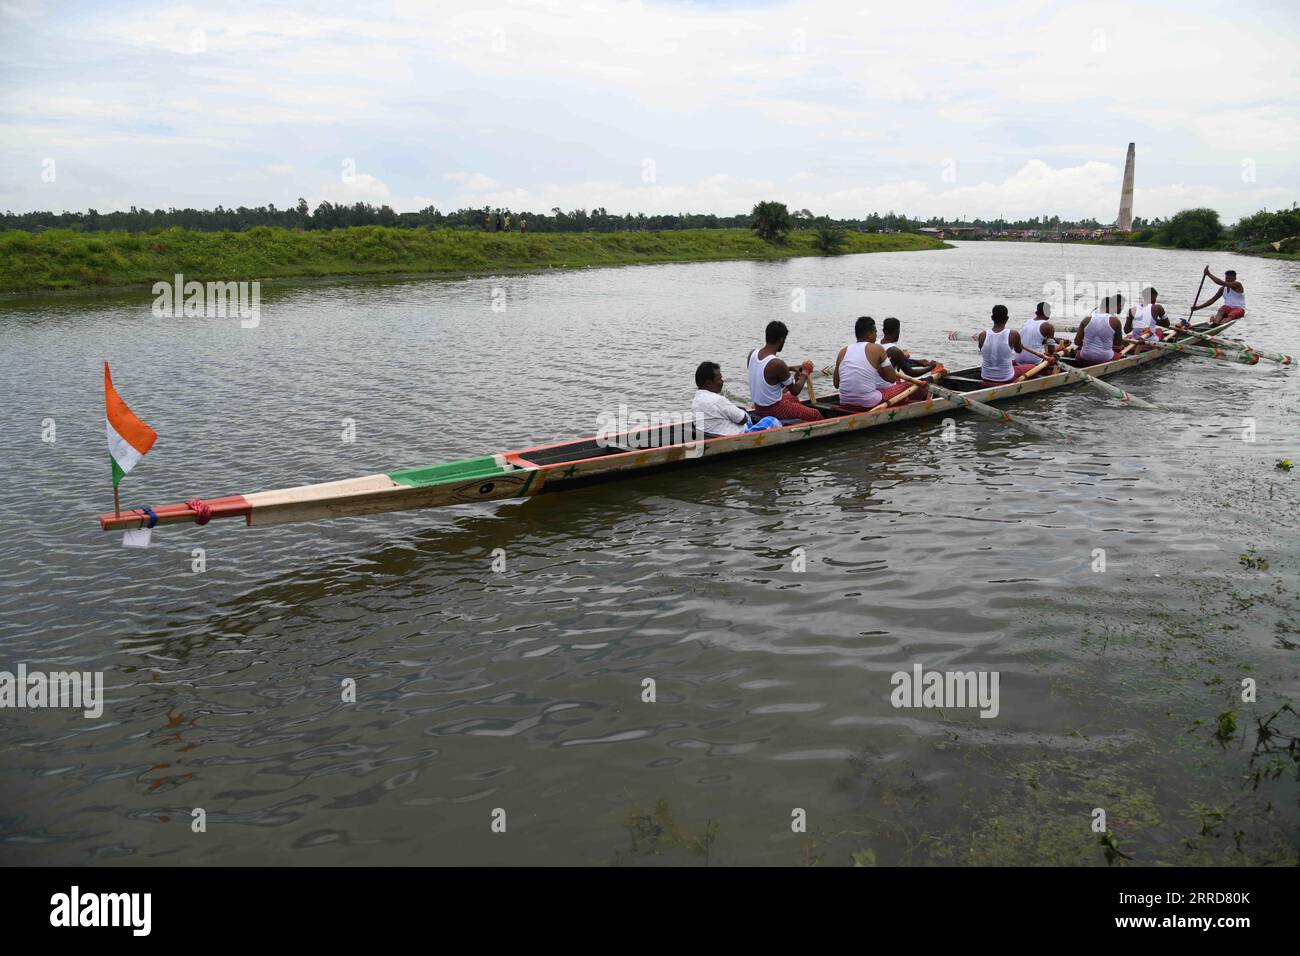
(572,464)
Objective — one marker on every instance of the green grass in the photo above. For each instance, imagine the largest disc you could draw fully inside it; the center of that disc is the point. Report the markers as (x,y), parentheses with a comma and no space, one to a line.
(64,259)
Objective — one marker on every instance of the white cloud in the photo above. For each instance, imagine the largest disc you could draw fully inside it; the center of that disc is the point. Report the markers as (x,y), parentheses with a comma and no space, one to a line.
(361,187)
(21,9)
(472,182)
(847,107)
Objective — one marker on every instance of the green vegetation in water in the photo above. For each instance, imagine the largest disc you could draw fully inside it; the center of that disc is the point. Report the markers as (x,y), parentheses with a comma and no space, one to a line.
(1225,726)
(64,259)
(1111,847)
(1277,750)
(652,833)
(1038,811)
(1284,464)
(1251,560)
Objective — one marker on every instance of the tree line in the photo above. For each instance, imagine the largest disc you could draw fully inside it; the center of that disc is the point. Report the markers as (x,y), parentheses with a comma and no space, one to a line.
(1191,228)
(328,215)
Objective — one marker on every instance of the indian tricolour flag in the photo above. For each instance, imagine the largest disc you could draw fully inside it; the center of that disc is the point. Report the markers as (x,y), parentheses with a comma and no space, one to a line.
(128,437)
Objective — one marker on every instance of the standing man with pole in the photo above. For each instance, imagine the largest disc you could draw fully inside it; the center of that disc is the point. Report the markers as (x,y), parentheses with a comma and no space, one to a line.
(1233,293)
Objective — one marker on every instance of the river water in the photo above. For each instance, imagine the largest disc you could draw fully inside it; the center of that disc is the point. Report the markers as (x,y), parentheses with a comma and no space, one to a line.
(770,599)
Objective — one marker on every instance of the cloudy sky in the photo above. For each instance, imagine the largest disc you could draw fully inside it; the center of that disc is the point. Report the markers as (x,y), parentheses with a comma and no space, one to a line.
(956,109)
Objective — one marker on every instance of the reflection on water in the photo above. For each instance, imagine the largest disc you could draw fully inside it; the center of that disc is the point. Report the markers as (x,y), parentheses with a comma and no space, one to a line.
(524,690)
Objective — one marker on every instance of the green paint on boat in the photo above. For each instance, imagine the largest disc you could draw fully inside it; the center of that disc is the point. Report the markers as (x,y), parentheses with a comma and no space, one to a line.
(465,470)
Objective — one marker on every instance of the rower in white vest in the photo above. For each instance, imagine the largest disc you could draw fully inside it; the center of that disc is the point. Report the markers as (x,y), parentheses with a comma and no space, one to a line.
(1037,333)
(1233,293)
(998,347)
(1146,319)
(899,357)
(863,372)
(773,386)
(1098,334)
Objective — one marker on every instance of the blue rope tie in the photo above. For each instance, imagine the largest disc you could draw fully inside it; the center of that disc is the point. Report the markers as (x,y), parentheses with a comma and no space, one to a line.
(153,517)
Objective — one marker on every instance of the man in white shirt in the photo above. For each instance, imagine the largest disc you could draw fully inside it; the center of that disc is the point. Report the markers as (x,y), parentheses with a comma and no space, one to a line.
(715,414)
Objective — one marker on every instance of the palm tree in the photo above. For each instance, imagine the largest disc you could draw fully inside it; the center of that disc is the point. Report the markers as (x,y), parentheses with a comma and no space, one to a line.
(829,239)
(771,221)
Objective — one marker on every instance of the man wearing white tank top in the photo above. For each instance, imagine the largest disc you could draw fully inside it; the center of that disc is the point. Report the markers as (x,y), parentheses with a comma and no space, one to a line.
(1234,297)
(863,372)
(1038,333)
(899,357)
(1146,319)
(773,387)
(998,346)
(1096,337)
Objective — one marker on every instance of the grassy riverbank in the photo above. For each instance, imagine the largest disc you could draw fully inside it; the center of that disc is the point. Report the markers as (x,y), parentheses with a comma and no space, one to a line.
(64,259)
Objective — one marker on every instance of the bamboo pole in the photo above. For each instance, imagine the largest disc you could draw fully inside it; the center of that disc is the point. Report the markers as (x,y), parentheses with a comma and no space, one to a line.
(936,373)
(957,335)
(1146,337)
(1192,310)
(1243,358)
(987,411)
(1104,387)
(1279,357)
(1047,360)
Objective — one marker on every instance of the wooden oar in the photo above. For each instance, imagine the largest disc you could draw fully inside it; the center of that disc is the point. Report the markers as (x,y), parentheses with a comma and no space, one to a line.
(1047,360)
(1192,310)
(1143,336)
(1131,347)
(1243,358)
(936,373)
(988,411)
(956,335)
(1279,357)
(1103,387)
(1147,337)
(1223,343)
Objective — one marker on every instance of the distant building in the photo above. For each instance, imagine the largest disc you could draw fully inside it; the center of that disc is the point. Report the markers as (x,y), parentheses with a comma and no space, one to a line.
(1125,221)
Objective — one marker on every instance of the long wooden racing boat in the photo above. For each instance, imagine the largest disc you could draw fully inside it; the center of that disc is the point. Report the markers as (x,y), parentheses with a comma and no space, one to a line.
(566,465)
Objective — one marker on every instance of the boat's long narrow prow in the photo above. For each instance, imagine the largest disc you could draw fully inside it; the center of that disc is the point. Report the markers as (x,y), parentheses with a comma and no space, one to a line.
(569,464)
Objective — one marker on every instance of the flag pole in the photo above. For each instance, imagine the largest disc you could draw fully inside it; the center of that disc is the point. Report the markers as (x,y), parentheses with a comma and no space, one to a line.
(129,439)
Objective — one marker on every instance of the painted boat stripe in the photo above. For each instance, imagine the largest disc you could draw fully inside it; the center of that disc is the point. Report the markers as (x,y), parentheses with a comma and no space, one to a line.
(322,492)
